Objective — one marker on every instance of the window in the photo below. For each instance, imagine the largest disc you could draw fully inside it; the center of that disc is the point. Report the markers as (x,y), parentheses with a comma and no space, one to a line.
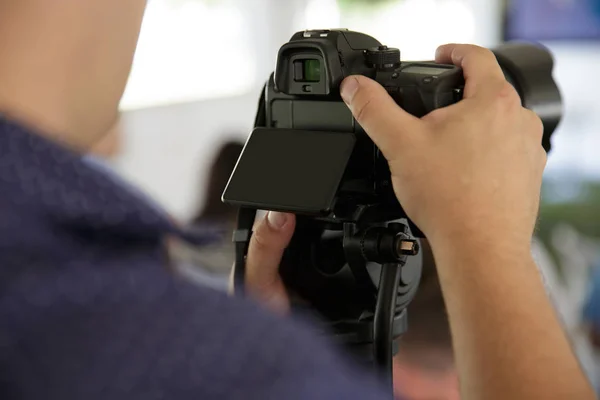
(417,27)
(190,50)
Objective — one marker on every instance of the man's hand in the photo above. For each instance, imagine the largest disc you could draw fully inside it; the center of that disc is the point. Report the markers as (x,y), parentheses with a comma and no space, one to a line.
(271,236)
(475,164)
(469,176)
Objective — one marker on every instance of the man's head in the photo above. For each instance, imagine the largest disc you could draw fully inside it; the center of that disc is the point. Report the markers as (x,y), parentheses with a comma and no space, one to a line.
(64,64)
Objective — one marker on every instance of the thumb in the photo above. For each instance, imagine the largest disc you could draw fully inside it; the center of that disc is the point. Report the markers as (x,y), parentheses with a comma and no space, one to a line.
(269,240)
(374,109)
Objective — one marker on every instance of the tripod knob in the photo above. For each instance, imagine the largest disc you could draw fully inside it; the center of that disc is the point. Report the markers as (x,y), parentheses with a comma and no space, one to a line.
(386,245)
(398,227)
(404,245)
(407,247)
(383,57)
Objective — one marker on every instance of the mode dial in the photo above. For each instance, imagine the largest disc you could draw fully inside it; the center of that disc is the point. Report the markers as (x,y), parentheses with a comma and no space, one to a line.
(383,57)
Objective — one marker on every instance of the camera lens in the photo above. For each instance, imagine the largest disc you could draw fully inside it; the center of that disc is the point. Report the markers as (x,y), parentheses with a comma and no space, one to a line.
(307,70)
(529,69)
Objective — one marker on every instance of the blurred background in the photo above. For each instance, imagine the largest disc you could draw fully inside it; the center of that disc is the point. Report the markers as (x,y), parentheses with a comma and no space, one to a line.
(201,64)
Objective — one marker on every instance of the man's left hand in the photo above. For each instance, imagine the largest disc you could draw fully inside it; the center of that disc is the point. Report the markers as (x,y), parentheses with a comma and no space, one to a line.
(271,236)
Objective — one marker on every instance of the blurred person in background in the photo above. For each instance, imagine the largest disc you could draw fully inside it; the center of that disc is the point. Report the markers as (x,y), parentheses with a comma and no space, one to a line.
(214,211)
(591,318)
(212,262)
(568,276)
(591,312)
(89,310)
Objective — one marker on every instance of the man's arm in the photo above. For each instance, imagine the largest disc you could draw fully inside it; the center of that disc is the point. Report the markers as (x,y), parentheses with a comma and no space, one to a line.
(64,64)
(470,175)
(507,339)
(136,333)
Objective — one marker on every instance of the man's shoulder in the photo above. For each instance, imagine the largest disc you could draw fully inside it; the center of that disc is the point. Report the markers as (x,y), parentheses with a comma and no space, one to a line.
(159,335)
(89,310)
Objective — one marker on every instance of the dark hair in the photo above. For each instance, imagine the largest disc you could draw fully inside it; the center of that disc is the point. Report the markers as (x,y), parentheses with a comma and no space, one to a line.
(222,167)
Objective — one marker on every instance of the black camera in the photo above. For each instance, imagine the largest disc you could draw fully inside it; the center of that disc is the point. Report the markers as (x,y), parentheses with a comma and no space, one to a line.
(354,258)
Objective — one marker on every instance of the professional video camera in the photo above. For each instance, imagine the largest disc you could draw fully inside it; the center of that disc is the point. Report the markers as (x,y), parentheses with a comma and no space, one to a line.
(353,259)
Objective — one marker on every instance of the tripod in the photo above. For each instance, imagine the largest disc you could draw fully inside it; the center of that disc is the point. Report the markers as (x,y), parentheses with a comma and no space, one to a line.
(366,317)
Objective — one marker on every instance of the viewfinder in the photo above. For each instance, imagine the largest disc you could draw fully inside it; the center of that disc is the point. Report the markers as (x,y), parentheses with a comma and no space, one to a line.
(308,70)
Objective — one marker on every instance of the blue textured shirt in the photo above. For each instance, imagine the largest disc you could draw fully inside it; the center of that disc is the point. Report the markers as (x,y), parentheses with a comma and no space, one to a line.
(89,309)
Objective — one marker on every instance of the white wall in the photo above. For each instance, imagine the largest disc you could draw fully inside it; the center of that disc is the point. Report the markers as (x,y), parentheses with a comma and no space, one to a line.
(166,150)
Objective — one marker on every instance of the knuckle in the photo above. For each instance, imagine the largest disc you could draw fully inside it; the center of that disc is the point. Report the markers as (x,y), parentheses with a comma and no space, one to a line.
(506,96)
(436,117)
(476,55)
(543,157)
(509,93)
(470,50)
(534,126)
(261,241)
(439,117)
(537,126)
(363,106)
(484,53)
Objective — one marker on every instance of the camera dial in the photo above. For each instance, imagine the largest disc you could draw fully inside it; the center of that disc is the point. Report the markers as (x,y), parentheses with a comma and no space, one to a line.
(383,57)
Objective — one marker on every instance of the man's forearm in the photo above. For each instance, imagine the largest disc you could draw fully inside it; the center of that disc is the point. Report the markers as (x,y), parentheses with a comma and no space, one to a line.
(508,341)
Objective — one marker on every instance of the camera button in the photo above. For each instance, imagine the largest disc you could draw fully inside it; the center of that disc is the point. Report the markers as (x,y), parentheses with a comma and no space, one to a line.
(458,94)
(316,32)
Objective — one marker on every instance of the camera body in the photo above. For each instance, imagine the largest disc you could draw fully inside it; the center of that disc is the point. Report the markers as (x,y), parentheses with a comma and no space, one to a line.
(314,63)
(309,156)
(326,165)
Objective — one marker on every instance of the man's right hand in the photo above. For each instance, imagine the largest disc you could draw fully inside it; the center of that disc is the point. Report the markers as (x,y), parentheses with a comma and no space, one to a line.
(464,168)
(469,176)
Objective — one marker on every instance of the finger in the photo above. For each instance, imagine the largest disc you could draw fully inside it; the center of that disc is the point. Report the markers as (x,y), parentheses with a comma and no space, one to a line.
(269,240)
(480,66)
(378,114)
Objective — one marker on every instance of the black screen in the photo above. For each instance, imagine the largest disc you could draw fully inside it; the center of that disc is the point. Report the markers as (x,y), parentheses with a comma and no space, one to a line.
(425,70)
(290,170)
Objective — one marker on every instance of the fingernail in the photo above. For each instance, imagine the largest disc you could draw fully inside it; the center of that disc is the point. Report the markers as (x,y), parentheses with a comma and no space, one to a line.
(276,219)
(439,52)
(348,89)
